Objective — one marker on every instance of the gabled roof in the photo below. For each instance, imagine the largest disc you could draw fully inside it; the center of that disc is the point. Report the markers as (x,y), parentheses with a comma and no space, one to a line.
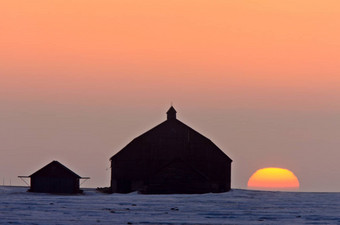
(55,168)
(169,124)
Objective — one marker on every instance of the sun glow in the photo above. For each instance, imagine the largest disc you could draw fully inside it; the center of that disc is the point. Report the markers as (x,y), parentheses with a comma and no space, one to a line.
(273,179)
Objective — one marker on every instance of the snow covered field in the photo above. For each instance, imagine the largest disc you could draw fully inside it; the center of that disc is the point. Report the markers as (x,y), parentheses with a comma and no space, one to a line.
(235,207)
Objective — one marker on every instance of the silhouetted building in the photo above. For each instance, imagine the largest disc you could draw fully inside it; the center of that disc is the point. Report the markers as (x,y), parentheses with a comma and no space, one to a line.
(55,178)
(170,158)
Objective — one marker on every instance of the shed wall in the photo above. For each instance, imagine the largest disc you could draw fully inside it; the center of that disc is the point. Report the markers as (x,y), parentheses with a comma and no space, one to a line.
(55,185)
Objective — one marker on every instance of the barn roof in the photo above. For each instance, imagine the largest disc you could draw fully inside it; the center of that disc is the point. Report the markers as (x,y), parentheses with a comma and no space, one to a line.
(172,124)
(55,168)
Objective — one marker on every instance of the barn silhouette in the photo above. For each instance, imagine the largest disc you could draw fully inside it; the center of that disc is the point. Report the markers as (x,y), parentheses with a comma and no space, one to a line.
(170,158)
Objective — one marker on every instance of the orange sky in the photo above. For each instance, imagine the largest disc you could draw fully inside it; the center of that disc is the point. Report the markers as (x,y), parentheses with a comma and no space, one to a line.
(260,56)
(256,43)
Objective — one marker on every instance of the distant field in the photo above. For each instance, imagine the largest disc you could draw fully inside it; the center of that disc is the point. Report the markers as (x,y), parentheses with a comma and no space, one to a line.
(235,207)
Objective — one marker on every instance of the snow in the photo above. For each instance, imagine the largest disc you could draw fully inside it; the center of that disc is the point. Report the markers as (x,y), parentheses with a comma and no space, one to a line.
(235,207)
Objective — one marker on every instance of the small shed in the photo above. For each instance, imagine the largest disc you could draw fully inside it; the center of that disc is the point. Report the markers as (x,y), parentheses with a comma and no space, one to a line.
(55,178)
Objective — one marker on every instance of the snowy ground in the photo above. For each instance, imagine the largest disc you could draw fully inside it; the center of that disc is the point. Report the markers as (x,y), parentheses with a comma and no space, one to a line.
(235,207)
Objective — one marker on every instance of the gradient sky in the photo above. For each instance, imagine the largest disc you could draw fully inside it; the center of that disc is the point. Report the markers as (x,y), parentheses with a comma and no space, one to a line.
(79,79)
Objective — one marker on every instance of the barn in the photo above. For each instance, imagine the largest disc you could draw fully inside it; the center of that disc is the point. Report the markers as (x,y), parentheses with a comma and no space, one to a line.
(170,158)
(55,178)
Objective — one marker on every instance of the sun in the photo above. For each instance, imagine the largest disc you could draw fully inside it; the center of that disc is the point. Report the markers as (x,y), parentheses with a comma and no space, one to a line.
(273,178)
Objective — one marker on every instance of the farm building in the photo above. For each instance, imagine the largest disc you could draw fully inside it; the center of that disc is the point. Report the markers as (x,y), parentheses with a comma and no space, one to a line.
(170,158)
(55,178)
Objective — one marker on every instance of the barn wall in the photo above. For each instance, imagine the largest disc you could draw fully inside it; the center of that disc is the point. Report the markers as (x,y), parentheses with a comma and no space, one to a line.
(177,178)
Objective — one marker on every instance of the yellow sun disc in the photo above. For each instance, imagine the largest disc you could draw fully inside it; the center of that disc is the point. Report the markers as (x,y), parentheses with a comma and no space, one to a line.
(273,178)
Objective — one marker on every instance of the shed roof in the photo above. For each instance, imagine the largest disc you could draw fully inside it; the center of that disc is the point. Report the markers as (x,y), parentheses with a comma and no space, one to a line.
(55,168)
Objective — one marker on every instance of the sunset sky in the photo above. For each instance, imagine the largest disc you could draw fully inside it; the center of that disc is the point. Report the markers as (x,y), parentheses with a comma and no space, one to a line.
(79,79)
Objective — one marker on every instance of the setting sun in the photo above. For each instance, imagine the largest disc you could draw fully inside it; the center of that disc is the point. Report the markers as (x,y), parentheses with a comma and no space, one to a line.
(273,179)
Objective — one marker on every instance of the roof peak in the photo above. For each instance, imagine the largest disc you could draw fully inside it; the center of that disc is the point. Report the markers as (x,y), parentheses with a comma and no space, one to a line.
(52,164)
(171,113)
